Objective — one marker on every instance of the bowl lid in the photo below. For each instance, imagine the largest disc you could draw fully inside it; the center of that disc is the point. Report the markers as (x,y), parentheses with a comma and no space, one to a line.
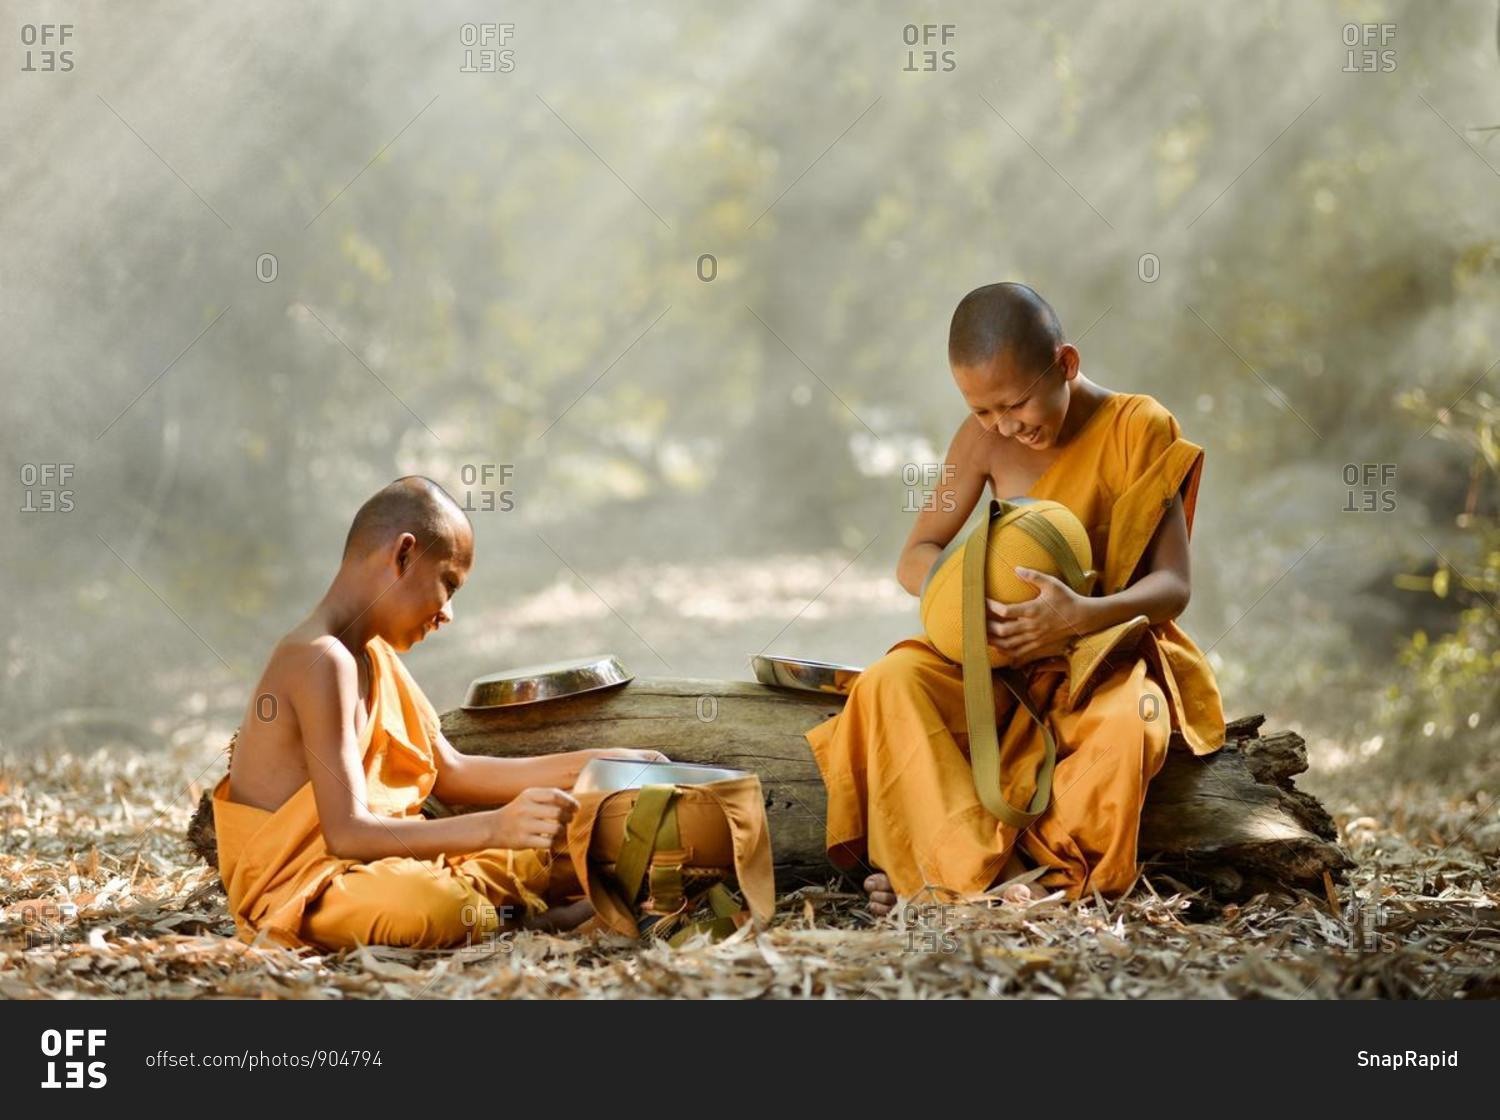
(799,673)
(531,684)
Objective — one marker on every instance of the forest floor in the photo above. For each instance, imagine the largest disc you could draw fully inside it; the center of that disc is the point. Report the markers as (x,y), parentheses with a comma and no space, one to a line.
(101,897)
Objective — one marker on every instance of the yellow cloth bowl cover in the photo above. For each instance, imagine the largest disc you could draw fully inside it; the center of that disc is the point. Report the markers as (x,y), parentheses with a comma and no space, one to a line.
(1040,535)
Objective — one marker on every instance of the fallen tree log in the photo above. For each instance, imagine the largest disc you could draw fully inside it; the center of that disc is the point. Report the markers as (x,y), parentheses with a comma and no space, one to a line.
(1230,822)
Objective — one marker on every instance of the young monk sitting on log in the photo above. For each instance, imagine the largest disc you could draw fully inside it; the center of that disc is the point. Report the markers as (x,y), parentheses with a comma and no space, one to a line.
(902,800)
(320,834)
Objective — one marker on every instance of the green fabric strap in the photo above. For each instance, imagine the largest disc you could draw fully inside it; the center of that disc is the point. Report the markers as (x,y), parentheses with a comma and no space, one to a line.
(642,831)
(665,879)
(979,694)
(667,839)
(722,902)
(1038,528)
(716,928)
(727,914)
(665,885)
(652,827)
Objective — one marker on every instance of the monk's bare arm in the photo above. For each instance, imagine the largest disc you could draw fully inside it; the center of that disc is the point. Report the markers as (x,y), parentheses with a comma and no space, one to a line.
(1165,585)
(325,696)
(1049,623)
(960,483)
(466,779)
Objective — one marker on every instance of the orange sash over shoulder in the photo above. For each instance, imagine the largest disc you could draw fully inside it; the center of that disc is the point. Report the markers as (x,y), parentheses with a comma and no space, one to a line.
(1129,461)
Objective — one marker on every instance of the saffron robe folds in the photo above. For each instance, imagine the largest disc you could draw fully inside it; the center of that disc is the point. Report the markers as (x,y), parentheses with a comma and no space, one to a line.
(895,761)
(282,881)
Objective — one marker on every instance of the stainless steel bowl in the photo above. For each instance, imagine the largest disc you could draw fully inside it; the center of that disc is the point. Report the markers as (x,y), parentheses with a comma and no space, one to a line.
(532,684)
(605,775)
(808,676)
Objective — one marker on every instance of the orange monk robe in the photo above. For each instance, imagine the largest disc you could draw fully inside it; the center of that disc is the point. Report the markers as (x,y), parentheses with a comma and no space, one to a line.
(901,795)
(282,881)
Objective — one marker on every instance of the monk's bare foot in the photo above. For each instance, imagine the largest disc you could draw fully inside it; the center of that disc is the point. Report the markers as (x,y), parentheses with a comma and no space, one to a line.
(558,919)
(882,897)
(1019,894)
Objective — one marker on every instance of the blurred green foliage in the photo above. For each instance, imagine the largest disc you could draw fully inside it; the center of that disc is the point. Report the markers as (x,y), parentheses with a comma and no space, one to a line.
(1443,702)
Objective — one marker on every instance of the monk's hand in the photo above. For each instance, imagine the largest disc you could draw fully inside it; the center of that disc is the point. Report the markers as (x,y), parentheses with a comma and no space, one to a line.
(535,819)
(1040,627)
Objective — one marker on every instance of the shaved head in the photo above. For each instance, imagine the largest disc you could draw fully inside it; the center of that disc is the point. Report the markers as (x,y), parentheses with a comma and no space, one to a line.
(414,505)
(1004,318)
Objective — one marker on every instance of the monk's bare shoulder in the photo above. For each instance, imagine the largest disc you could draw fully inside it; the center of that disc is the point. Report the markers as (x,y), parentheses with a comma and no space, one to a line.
(300,654)
(314,668)
(316,641)
(303,680)
(972,451)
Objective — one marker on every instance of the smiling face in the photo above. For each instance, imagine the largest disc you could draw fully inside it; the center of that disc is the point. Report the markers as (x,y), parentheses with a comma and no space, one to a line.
(422,585)
(1018,402)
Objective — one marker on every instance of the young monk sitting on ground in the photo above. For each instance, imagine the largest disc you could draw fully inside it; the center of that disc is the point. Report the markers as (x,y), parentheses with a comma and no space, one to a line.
(320,833)
(901,795)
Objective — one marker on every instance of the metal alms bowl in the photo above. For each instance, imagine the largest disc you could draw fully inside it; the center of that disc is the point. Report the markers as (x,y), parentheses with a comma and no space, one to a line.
(807,676)
(606,775)
(532,684)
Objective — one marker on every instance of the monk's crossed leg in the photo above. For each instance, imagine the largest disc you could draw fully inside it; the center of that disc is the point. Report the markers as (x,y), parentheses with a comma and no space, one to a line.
(418,904)
(1110,749)
(903,736)
(905,727)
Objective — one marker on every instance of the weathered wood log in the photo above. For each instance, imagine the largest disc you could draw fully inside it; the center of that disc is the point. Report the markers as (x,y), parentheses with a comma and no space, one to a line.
(200,830)
(1231,821)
